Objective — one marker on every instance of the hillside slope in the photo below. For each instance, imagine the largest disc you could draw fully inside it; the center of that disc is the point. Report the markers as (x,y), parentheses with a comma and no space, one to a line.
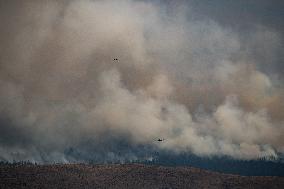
(125,176)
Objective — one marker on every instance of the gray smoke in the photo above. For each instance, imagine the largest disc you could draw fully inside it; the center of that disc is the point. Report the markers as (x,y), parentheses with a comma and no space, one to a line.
(203,86)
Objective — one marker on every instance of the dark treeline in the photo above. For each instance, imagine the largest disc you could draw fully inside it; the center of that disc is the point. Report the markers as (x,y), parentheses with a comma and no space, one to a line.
(260,167)
(14,163)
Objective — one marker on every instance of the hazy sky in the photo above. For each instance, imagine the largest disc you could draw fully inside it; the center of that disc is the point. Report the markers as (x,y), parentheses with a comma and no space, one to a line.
(207,76)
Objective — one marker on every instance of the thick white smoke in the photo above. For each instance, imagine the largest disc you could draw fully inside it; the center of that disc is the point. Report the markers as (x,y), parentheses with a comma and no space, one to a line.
(188,81)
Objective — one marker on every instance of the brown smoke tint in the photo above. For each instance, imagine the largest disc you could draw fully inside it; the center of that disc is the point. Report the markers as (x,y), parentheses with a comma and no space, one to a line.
(192,81)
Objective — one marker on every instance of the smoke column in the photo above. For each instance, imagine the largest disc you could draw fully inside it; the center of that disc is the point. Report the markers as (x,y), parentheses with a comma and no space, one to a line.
(203,86)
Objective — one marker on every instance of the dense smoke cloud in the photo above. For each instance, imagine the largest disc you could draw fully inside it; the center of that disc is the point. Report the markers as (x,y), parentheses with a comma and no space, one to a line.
(190,80)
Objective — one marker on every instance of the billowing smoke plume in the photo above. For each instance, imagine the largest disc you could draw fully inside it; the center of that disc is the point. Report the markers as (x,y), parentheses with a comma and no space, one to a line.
(196,83)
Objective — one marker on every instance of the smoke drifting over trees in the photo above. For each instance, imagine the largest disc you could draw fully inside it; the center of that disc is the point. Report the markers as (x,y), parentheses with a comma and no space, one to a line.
(205,86)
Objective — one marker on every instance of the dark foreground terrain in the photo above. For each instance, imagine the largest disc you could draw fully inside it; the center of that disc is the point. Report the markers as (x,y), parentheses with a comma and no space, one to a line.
(125,176)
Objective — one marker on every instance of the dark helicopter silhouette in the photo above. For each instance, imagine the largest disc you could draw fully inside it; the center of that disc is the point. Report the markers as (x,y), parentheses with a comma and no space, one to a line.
(160,140)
